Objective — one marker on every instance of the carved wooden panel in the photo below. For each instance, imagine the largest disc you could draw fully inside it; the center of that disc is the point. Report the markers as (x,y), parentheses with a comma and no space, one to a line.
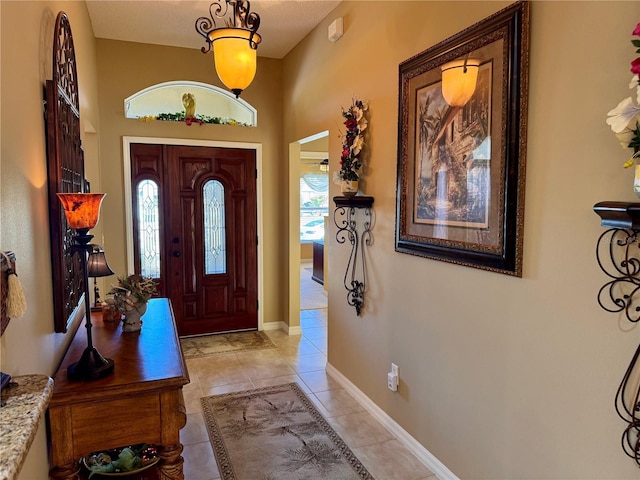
(65,171)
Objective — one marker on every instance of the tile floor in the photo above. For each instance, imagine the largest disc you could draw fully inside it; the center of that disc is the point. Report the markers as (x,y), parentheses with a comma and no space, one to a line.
(301,359)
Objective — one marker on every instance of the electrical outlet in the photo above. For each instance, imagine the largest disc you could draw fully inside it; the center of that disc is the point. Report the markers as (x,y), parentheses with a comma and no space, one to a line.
(392,382)
(393,378)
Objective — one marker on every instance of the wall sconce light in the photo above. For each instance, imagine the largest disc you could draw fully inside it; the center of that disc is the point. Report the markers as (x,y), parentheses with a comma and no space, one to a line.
(98,267)
(459,79)
(234,44)
(324,165)
(82,211)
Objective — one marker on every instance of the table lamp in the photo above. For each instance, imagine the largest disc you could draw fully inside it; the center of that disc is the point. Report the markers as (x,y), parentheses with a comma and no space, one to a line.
(82,211)
(98,267)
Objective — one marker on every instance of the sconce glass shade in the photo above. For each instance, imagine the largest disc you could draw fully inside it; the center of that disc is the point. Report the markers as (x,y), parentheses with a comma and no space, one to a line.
(324,165)
(97,265)
(459,81)
(234,58)
(81,209)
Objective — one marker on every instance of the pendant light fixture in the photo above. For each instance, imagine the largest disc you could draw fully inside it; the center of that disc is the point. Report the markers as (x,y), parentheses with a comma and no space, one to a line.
(234,43)
(459,79)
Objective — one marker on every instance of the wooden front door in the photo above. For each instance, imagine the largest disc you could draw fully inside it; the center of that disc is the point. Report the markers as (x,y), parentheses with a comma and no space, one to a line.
(208,233)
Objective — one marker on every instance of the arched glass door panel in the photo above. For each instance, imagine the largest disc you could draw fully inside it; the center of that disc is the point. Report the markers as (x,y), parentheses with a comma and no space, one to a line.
(215,247)
(149,228)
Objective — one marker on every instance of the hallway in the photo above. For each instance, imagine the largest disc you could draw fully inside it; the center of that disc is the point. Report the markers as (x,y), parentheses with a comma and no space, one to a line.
(296,358)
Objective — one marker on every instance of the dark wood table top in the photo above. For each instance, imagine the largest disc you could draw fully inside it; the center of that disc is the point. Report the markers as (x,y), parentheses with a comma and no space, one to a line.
(145,361)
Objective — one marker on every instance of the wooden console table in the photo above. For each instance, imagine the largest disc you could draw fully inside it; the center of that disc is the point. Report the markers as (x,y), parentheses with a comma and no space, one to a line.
(141,402)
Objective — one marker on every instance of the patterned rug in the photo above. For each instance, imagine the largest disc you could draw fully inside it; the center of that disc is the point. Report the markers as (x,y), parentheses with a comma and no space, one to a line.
(194,347)
(276,433)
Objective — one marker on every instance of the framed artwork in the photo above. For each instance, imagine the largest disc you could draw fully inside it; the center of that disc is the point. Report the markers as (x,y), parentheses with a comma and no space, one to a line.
(461,169)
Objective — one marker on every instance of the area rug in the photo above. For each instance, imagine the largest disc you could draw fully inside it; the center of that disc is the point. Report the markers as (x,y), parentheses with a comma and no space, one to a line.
(276,433)
(194,347)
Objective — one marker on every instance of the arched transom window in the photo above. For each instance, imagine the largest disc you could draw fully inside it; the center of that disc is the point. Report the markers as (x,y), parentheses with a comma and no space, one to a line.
(210,104)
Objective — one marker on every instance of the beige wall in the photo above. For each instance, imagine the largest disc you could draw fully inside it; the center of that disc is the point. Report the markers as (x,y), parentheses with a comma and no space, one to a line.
(501,377)
(125,68)
(29,344)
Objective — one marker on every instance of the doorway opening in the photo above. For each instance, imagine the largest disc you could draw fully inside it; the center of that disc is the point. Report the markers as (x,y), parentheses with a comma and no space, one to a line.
(308,213)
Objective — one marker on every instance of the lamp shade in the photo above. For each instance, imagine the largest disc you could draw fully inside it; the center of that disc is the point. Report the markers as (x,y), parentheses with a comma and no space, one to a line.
(97,265)
(459,79)
(234,57)
(81,209)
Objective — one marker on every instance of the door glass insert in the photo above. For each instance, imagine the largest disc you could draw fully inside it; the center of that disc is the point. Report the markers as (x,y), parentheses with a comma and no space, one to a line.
(149,228)
(215,248)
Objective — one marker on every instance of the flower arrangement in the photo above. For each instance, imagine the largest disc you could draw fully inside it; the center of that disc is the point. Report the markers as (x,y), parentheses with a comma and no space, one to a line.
(352,141)
(200,119)
(624,120)
(132,289)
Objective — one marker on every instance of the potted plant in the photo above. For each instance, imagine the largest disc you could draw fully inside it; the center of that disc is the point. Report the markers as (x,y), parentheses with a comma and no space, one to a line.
(352,142)
(130,297)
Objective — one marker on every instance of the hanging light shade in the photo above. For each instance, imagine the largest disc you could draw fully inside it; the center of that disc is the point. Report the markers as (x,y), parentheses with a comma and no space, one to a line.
(234,44)
(459,79)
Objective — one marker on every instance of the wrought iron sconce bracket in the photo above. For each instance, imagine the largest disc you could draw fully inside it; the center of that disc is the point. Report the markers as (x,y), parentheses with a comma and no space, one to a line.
(618,255)
(345,217)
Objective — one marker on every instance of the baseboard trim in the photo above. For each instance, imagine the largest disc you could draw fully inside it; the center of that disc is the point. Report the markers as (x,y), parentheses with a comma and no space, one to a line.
(424,455)
(273,326)
(282,326)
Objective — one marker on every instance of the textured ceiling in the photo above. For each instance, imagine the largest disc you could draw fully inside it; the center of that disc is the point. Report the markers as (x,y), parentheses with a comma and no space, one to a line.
(283,23)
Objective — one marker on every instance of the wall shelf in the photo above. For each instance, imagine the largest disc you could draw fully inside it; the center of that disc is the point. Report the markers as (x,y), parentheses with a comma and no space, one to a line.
(618,255)
(357,230)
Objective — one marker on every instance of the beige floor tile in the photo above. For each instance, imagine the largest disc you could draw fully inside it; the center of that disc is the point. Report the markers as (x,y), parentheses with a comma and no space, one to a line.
(338,402)
(308,363)
(199,462)
(257,356)
(269,382)
(319,406)
(192,399)
(314,333)
(276,367)
(391,461)
(233,387)
(319,381)
(321,344)
(195,431)
(311,321)
(304,347)
(360,429)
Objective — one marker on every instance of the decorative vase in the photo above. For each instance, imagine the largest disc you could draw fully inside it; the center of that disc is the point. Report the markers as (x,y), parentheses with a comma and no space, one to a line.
(349,187)
(132,318)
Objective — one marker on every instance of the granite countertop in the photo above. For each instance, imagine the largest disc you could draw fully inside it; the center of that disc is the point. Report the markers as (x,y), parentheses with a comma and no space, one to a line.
(25,406)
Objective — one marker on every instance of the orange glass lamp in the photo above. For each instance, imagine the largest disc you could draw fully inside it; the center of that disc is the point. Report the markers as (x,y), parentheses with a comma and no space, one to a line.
(459,79)
(234,45)
(82,211)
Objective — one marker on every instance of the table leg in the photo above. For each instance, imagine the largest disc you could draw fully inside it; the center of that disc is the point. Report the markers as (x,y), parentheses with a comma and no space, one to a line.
(171,462)
(70,471)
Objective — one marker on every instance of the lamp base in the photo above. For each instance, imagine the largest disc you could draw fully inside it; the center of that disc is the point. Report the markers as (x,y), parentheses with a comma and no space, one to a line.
(91,366)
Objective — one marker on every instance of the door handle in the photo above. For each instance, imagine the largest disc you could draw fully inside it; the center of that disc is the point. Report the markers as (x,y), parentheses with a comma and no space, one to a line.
(176,254)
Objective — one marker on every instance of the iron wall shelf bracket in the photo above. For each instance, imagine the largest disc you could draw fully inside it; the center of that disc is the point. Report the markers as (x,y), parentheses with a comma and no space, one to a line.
(346,219)
(618,255)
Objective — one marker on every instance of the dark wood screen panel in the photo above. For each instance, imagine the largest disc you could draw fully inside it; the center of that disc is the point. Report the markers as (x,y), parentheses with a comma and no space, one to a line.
(65,170)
